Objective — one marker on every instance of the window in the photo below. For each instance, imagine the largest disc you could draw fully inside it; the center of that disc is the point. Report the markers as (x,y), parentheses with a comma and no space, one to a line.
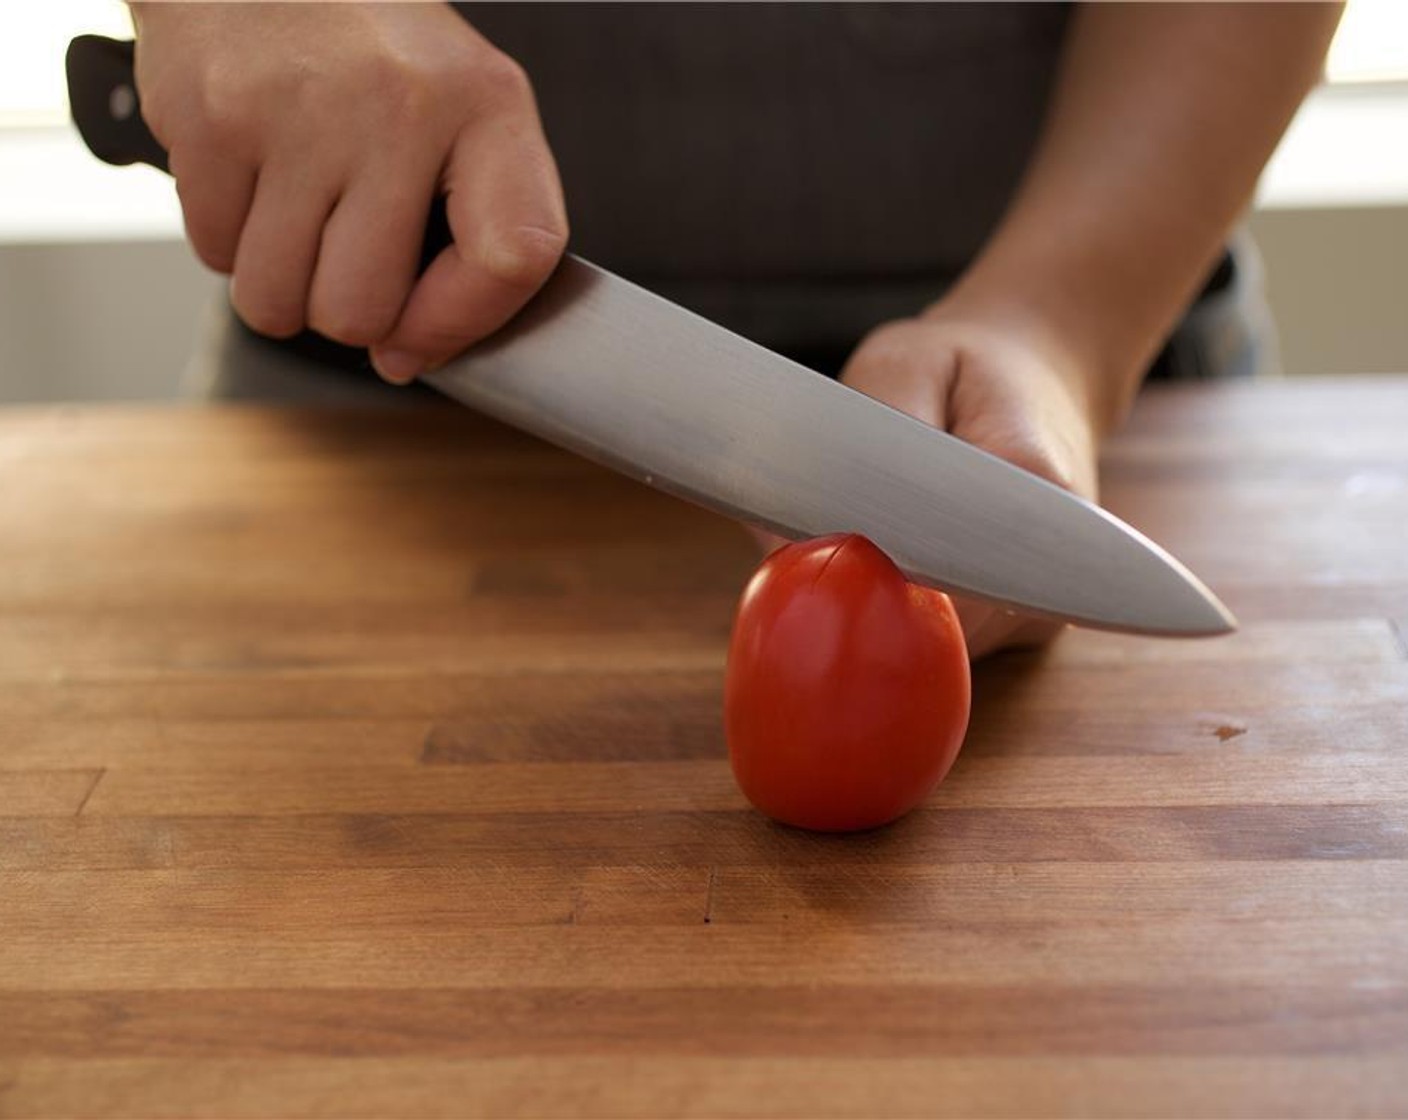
(1335,153)
(32,89)
(1371,44)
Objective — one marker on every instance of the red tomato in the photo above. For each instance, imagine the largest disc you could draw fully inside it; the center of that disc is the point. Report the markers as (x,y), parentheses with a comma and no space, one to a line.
(847,691)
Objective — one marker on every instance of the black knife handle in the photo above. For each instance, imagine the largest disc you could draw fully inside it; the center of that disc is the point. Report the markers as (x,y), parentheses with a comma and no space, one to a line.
(102,92)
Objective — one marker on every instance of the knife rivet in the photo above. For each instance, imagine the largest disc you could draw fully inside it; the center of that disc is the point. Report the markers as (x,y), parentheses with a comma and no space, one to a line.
(122,101)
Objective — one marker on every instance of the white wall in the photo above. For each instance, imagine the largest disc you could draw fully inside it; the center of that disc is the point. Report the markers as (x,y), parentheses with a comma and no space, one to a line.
(98,321)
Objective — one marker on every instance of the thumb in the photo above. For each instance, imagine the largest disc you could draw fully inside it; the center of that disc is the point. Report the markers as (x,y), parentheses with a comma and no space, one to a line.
(893,369)
(504,203)
(766,541)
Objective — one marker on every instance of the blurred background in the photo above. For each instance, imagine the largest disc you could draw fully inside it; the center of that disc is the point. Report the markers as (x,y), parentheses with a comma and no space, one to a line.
(101,299)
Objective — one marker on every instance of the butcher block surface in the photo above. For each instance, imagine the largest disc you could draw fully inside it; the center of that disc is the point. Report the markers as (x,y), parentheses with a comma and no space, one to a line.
(370,763)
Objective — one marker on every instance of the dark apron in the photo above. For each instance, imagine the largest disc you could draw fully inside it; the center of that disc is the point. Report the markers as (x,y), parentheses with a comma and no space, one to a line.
(796,172)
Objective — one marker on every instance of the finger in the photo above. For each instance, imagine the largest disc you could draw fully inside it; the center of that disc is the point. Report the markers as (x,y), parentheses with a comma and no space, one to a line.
(215,192)
(980,623)
(368,254)
(987,629)
(767,542)
(506,213)
(1013,424)
(888,368)
(277,252)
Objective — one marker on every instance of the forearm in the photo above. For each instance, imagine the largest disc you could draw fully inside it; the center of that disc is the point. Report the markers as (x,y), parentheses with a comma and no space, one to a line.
(1162,119)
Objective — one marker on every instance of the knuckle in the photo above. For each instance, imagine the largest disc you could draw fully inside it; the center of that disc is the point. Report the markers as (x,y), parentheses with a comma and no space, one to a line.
(524,256)
(204,230)
(158,118)
(503,77)
(224,105)
(217,111)
(352,323)
(895,337)
(882,340)
(1055,472)
(211,253)
(160,103)
(882,349)
(1026,450)
(438,347)
(405,91)
(273,317)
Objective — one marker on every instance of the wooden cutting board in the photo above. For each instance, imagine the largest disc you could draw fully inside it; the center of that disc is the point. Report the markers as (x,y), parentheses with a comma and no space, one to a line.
(370,764)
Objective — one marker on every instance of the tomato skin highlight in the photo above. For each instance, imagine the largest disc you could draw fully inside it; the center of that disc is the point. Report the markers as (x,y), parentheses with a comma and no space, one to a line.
(847,692)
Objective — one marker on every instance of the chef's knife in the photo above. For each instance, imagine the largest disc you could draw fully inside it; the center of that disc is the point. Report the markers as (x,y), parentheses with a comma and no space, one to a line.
(621,376)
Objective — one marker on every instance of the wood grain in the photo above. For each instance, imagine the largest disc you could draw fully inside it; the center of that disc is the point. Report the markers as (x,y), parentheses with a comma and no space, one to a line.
(670,840)
(913,1021)
(648,1086)
(573,787)
(360,763)
(1209,949)
(215,900)
(43,793)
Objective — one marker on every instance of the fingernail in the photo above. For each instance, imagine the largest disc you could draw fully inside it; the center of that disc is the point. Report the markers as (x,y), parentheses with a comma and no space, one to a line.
(398,366)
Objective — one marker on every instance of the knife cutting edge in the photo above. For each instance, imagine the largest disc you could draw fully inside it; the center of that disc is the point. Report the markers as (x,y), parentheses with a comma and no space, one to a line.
(621,376)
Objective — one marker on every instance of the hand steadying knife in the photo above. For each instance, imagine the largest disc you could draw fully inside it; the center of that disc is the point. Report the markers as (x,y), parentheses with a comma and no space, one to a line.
(307,141)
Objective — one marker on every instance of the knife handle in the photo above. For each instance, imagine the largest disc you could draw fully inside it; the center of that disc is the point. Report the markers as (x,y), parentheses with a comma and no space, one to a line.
(106,107)
(102,94)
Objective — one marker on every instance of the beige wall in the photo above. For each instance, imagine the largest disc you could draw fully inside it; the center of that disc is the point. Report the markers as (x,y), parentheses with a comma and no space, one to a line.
(97,321)
(118,320)
(1338,281)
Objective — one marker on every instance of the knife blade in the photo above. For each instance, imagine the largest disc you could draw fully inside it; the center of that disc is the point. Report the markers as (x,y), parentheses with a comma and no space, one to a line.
(619,375)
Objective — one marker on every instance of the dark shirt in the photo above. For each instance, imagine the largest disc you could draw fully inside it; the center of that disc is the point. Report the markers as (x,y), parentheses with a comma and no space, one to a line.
(799,172)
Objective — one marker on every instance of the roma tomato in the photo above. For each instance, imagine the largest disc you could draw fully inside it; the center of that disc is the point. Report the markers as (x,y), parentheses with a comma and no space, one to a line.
(847,691)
